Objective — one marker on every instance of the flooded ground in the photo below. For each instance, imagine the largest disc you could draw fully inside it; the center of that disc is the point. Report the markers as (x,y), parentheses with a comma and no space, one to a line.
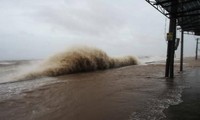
(189,109)
(127,93)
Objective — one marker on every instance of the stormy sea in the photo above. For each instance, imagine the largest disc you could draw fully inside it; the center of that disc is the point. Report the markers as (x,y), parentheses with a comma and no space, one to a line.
(87,84)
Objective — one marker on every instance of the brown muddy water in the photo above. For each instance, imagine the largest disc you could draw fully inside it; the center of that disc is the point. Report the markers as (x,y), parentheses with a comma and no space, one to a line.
(137,92)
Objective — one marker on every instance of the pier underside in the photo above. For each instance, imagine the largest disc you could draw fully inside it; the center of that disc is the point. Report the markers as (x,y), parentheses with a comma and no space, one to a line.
(183,13)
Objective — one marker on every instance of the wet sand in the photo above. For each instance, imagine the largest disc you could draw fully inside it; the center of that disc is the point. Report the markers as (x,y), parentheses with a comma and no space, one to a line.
(127,93)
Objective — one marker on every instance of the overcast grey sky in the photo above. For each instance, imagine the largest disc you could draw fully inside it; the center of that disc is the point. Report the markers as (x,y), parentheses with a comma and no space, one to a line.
(39,28)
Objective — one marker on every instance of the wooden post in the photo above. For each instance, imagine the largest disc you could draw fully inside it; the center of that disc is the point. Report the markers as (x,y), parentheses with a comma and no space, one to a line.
(182,45)
(196,57)
(167,60)
(173,48)
(171,43)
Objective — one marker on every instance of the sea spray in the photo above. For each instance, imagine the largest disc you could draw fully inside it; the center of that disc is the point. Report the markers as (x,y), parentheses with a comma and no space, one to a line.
(78,59)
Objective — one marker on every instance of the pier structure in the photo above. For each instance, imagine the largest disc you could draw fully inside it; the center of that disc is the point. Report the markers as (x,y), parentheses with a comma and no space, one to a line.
(183,13)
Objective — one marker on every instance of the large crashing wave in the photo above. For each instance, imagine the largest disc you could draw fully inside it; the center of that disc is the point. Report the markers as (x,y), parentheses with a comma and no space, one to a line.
(79,59)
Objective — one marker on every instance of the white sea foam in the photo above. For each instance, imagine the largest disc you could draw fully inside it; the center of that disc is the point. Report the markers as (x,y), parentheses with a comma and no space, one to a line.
(151,59)
(6,63)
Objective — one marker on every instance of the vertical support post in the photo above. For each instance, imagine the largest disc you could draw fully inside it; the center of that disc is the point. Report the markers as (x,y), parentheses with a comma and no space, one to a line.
(196,57)
(173,29)
(182,45)
(171,43)
(167,60)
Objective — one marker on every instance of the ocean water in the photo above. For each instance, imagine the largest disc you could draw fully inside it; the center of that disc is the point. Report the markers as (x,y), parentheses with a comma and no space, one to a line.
(136,92)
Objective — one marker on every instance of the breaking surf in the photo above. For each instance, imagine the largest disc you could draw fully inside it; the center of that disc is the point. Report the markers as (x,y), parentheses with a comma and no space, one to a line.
(78,59)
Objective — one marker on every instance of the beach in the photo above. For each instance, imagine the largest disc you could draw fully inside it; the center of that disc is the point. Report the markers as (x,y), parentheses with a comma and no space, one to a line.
(137,92)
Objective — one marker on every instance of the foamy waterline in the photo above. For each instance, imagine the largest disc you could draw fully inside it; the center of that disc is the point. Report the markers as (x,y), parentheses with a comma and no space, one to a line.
(156,106)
